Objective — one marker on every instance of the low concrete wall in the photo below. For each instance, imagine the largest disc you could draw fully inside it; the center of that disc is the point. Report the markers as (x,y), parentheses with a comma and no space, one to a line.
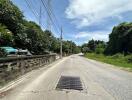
(11,68)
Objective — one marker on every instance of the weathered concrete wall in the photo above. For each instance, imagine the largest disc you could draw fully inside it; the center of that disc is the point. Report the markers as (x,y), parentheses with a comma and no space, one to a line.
(11,68)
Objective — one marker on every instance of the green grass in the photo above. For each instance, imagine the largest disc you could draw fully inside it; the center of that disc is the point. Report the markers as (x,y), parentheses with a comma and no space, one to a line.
(118,60)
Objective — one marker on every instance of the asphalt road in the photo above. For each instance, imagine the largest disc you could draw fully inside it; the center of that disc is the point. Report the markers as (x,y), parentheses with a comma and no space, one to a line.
(99,82)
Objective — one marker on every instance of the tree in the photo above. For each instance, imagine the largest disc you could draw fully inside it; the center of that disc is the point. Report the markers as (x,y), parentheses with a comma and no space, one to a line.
(27,34)
(91,45)
(128,41)
(38,41)
(100,48)
(120,40)
(6,37)
(85,48)
(96,46)
(70,47)
(55,45)
(11,16)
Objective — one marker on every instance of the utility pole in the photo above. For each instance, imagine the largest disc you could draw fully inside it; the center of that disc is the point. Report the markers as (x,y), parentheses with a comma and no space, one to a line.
(61,37)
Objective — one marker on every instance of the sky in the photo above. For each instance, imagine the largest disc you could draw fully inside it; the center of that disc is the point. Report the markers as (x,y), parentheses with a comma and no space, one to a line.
(81,20)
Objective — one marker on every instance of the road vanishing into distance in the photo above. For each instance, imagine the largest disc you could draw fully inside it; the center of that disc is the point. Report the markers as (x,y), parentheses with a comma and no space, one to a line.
(72,78)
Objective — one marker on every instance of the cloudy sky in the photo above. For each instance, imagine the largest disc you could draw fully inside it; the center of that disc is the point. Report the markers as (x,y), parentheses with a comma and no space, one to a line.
(82,20)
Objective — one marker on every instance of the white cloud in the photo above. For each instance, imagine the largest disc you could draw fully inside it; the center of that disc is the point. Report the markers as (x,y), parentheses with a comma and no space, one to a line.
(97,35)
(88,12)
(81,35)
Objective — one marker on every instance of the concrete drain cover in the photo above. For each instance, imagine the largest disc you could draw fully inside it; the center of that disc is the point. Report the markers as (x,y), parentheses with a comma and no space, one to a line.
(68,82)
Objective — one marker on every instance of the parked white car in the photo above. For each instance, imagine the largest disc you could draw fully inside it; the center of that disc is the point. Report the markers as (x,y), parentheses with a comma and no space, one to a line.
(22,52)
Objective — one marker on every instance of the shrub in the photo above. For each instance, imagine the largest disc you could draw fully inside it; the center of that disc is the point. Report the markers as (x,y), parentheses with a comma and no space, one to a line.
(6,36)
(118,55)
(2,53)
(99,50)
(128,58)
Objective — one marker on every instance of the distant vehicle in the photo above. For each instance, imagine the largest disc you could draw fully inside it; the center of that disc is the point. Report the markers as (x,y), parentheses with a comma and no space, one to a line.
(22,52)
(47,52)
(81,54)
(10,51)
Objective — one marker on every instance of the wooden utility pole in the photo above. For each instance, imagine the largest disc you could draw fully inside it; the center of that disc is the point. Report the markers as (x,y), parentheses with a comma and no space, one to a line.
(61,37)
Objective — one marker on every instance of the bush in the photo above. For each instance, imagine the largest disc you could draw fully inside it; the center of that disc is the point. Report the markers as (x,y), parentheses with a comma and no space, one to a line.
(2,53)
(118,55)
(129,58)
(86,50)
(6,36)
(99,50)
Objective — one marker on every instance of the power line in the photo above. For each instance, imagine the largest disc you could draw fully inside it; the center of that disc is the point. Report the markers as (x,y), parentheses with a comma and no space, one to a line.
(54,16)
(29,5)
(49,14)
(51,10)
(40,13)
(49,7)
(48,19)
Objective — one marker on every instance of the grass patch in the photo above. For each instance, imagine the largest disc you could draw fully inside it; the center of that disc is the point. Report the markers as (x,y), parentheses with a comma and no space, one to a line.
(119,60)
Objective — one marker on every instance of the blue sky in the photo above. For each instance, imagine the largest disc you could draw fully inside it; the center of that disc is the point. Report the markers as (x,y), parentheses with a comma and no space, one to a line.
(82,20)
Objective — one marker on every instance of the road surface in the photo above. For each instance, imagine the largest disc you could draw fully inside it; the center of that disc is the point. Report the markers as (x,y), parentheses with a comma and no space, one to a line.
(99,82)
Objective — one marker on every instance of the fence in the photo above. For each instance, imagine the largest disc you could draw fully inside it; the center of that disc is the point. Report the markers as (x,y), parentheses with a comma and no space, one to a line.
(11,68)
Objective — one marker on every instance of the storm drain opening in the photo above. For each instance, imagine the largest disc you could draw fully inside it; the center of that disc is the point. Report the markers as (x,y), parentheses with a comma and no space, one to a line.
(69,82)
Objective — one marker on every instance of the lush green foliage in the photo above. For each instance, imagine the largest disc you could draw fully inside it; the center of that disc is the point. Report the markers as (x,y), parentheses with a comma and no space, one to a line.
(11,16)
(70,47)
(119,59)
(94,46)
(2,53)
(6,37)
(17,32)
(100,47)
(119,47)
(120,39)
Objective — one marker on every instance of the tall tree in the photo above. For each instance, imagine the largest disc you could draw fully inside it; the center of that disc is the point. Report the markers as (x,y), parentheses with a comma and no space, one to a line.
(120,39)
(11,16)
(27,34)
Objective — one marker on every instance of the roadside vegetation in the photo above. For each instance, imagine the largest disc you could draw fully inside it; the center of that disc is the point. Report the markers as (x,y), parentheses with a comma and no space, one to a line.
(117,51)
(2,53)
(117,59)
(17,32)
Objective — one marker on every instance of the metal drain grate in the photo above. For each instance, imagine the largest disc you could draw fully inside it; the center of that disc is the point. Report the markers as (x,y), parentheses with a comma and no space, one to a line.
(68,82)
